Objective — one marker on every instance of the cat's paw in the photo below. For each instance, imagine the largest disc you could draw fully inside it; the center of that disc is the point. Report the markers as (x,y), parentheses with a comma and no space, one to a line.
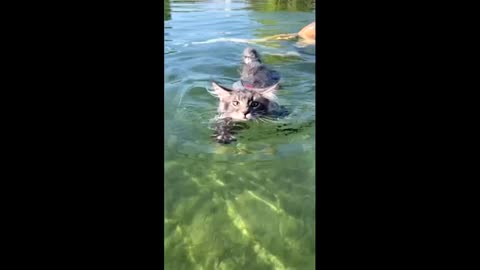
(225,138)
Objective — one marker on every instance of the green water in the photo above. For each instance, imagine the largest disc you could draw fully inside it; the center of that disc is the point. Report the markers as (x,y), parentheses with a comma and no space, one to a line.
(251,204)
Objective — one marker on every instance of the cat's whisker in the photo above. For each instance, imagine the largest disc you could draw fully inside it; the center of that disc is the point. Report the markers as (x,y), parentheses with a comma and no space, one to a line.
(255,93)
(266,119)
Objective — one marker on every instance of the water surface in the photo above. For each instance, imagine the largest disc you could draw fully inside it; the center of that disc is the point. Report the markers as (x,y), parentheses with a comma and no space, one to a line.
(250,204)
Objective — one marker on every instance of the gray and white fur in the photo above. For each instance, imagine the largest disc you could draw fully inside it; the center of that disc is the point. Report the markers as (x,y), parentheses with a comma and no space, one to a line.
(254,73)
(253,97)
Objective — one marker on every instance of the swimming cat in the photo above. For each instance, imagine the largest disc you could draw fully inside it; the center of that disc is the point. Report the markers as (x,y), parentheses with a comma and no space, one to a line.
(236,105)
(252,97)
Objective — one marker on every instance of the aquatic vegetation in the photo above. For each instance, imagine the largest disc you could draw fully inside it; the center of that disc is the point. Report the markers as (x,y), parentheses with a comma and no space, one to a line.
(220,215)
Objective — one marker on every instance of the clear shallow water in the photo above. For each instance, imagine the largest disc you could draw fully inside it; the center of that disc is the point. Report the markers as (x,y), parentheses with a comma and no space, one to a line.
(251,204)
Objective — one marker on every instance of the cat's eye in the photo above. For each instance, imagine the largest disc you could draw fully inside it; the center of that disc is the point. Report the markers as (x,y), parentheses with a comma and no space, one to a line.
(255,104)
(235,103)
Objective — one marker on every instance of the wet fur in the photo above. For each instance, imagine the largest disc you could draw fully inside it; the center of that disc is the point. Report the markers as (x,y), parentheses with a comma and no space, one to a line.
(241,105)
(255,72)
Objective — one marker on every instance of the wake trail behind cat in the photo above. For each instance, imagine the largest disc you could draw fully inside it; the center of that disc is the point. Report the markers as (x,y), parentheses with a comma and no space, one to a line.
(247,41)
(215,40)
(250,41)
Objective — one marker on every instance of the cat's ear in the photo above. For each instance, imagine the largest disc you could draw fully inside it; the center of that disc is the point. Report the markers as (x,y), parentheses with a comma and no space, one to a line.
(269,92)
(220,91)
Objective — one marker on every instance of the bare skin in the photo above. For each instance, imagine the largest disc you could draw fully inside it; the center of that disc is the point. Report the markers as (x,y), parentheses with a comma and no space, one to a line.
(307,34)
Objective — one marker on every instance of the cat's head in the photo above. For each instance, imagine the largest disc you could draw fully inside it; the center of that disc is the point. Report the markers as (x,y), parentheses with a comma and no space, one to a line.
(245,104)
